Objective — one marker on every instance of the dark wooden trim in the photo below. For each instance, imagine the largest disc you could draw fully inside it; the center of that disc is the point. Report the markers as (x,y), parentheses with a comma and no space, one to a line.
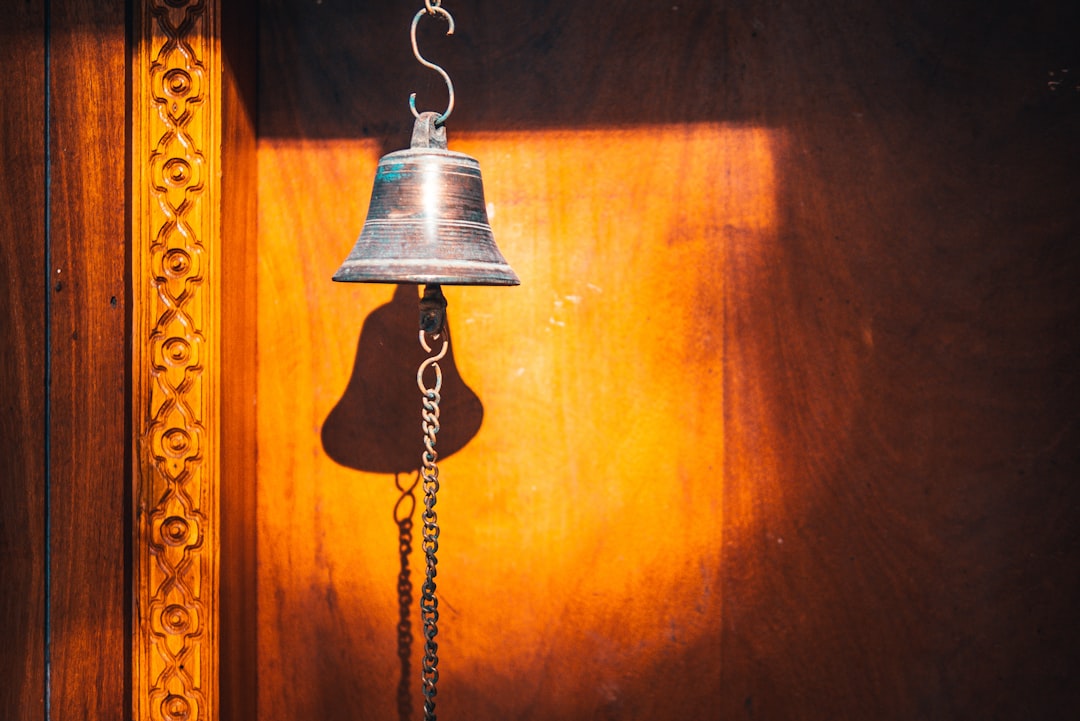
(22,362)
(239,182)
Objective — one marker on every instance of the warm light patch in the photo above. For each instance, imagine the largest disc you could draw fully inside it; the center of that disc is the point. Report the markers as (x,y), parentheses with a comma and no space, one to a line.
(582,523)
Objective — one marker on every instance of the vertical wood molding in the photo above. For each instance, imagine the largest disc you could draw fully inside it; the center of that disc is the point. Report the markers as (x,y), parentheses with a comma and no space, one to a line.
(237,680)
(176,139)
(23,358)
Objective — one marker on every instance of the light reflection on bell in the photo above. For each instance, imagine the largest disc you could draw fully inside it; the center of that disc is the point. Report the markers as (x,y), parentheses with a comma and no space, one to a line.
(427,221)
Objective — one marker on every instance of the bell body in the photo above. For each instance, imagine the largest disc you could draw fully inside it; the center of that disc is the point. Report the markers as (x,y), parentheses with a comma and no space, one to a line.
(427,223)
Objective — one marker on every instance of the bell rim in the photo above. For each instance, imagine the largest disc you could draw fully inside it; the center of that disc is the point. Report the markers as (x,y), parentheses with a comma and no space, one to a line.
(362,270)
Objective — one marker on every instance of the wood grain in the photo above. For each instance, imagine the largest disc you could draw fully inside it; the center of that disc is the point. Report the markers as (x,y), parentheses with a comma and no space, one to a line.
(621,333)
(67,441)
(22,363)
(902,365)
(88,433)
(238,312)
(178,207)
(782,423)
(811,452)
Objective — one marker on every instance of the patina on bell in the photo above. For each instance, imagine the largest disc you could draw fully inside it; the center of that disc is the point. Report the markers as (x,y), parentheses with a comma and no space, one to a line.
(427,221)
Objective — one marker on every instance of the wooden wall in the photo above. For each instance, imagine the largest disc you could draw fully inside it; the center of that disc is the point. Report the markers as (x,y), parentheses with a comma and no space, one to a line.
(63,223)
(782,422)
(22,370)
(87,326)
(67,180)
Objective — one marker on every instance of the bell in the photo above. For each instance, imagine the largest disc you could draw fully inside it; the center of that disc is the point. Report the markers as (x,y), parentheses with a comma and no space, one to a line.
(427,221)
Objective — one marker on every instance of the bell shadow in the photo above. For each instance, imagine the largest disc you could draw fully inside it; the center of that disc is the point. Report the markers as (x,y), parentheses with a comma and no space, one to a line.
(375,427)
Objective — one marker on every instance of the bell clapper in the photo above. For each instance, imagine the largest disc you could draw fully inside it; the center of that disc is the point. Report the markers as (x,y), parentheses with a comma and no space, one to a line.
(433,310)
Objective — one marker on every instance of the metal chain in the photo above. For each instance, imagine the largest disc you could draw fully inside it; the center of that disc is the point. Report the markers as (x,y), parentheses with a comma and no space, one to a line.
(429,603)
(403,517)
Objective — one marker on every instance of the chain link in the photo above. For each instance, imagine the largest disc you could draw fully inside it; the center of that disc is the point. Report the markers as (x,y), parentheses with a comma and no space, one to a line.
(429,603)
(403,517)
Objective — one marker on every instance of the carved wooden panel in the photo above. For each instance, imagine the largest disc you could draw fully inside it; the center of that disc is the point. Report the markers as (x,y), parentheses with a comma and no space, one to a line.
(175,257)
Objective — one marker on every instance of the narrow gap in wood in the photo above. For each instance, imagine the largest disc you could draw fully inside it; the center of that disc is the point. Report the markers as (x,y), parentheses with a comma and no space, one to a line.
(47,330)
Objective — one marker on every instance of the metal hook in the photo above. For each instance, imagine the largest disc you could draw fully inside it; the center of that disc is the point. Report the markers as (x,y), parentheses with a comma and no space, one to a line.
(431,362)
(432,9)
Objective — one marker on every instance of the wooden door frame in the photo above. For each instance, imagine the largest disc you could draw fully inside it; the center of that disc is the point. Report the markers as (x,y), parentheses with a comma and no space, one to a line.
(192,256)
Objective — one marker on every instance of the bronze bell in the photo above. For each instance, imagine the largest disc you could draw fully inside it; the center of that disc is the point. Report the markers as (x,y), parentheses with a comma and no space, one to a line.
(427,221)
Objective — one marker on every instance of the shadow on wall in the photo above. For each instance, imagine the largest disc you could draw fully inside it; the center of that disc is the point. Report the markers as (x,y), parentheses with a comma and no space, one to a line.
(522,64)
(897,375)
(375,427)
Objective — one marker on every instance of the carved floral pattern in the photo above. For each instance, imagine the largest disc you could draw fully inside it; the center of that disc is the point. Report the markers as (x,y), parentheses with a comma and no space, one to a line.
(176,118)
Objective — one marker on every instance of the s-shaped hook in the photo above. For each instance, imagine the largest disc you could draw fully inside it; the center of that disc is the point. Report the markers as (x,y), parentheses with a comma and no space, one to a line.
(432,8)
